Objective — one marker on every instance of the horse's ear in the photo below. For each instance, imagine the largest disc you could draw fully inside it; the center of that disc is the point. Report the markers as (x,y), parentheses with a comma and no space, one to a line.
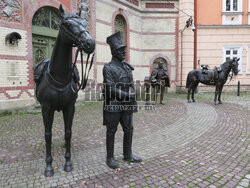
(238,59)
(79,13)
(61,11)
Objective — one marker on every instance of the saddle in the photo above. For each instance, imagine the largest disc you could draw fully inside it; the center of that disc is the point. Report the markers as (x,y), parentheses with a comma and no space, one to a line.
(40,69)
(212,74)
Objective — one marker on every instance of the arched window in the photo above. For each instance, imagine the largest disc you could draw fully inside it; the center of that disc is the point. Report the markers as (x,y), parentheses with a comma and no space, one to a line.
(120,25)
(47,17)
(45,28)
(156,61)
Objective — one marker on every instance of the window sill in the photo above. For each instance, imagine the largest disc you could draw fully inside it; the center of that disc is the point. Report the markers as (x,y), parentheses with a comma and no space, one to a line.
(232,13)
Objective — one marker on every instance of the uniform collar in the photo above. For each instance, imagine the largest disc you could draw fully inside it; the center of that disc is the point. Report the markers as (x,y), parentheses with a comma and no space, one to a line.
(117,62)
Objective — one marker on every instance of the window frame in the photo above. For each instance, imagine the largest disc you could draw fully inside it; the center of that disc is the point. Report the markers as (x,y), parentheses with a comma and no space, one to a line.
(248,60)
(239,48)
(239,6)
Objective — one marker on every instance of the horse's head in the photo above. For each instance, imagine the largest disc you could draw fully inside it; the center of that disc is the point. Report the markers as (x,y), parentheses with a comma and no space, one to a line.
(234,65)
(73,31)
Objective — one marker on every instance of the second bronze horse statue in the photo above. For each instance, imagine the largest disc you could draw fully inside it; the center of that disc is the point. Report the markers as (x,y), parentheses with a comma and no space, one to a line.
(57,79)
(217,77)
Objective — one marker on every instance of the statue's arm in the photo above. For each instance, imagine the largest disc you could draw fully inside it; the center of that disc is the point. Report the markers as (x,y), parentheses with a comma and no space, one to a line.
(110,86)
(153,75)
(165,74)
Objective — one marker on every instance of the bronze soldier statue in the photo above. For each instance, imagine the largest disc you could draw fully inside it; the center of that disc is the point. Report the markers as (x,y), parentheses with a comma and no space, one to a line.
(160,80)
(119,100)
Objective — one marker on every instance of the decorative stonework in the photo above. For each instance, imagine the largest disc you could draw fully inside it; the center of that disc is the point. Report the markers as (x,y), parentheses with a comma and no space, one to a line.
(135,2)
(159,5)
(83,8)
(10,10)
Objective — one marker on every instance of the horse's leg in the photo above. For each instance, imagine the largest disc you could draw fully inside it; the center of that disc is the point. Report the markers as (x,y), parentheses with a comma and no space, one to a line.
(48,115)
(193,91)
(219,97)
(188,96)
(216,93)
(68,114)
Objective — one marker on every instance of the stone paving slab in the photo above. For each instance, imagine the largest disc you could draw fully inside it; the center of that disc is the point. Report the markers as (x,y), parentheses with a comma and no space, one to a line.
(218,158)
(208,146)
(92,162)
(22,135)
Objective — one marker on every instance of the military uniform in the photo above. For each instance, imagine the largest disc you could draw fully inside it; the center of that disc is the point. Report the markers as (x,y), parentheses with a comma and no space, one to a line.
(119,102)
(160,80)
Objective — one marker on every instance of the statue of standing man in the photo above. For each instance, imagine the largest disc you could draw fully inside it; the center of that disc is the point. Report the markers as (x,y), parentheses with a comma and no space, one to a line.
(119,102)
(160,80)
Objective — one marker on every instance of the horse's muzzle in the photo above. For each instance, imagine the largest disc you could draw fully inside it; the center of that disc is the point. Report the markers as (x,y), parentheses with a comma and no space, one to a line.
(87,46)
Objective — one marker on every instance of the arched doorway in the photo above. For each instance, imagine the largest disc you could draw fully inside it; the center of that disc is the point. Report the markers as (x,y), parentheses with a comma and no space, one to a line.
(45,27)
(120,25)
(157,60)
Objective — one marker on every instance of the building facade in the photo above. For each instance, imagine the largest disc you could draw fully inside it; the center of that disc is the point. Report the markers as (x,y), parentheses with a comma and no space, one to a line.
(222,32)
(152,30)
(149,29)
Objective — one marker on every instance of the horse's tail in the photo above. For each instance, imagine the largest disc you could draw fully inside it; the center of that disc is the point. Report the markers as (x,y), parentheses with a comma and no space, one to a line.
(188,81)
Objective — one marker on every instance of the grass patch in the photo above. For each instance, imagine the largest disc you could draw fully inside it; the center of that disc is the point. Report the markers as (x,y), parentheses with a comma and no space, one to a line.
(20,113)
(84,105)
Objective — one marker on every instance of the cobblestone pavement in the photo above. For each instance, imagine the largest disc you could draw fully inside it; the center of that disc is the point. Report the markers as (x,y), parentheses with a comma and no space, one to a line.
(182,145)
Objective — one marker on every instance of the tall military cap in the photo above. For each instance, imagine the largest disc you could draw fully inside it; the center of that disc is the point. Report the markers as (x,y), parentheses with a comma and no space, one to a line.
(115,40)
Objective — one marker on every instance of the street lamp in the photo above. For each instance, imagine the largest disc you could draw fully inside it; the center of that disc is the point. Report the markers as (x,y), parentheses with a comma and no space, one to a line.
(188,24)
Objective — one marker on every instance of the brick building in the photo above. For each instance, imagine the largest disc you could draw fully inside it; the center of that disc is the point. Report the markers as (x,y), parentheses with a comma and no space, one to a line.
(150,31)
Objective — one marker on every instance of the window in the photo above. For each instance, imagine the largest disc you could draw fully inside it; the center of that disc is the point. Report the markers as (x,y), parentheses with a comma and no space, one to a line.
(120,25)
(47,17)
(248,60)
(233,52)
(232,5)
(232,12)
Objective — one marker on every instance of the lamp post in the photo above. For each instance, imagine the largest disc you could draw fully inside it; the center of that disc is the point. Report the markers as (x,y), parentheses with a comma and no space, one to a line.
(189,23)
(195,65)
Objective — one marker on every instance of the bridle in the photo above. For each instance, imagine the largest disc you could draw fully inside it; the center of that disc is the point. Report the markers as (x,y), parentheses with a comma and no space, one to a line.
(85,75)
(232,74)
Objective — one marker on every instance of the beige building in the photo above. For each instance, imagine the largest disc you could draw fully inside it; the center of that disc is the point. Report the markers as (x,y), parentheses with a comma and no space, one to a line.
(222,32)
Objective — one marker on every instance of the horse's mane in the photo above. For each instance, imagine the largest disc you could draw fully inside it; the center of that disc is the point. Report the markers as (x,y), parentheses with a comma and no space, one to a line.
(68,16)
(75,17)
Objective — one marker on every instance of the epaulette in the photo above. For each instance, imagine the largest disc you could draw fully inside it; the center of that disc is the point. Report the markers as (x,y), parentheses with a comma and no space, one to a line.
(129,65)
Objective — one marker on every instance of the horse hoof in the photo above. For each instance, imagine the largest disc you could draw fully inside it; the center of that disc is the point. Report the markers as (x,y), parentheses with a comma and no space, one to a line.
(49,172)
(220,102)
(68,167)
(215,103)
(189,101)
(193,100)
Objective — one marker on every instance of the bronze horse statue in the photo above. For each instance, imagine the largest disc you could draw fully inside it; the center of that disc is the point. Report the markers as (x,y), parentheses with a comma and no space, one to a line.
(217,77)
(57,81)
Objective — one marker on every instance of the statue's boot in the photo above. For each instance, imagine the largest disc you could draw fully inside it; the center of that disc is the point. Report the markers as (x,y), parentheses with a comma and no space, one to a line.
(110,151)
(112,163)
(127,148)
(132,158)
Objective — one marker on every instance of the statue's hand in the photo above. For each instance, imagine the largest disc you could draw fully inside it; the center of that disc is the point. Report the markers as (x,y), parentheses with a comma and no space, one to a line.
(164,77)
(132,96)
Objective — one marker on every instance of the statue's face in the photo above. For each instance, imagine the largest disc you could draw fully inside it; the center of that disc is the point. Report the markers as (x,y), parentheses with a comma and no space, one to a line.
(160,64)
(121,53)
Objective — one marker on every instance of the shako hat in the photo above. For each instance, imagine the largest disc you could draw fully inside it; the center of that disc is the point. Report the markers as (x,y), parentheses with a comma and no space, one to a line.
(115,41)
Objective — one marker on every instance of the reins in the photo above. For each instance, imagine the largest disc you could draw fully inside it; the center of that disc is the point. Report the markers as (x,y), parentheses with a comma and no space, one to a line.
(85,74)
